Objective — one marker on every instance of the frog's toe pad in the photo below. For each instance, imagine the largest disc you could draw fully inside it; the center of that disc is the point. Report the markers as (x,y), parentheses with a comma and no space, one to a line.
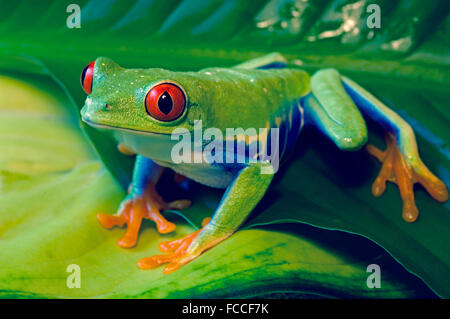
(179,255)
(396,169)
(109,221)
(131,214)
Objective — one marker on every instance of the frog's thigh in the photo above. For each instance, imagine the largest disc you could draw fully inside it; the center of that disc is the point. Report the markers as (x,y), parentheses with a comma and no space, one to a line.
(332,111)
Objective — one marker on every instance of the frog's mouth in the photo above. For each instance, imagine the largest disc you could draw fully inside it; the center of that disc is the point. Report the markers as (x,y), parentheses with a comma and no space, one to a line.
(112,127)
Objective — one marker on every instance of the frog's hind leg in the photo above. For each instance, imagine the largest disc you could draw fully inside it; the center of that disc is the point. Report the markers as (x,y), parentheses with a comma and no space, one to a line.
(273,60)
(142,201)
(401,162)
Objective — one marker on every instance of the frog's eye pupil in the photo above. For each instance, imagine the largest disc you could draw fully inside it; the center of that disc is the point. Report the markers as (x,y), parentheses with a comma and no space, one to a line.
(165,102)
(83,74)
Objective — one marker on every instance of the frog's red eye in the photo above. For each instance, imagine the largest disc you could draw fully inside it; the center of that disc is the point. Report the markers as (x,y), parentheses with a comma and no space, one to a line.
(165,102)
(86,77)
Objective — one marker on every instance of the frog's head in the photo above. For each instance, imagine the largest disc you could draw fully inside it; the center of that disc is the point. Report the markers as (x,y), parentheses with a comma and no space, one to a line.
(141,107)
(140,100)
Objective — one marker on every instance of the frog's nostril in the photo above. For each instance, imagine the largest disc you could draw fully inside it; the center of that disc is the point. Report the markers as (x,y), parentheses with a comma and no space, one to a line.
(107,106)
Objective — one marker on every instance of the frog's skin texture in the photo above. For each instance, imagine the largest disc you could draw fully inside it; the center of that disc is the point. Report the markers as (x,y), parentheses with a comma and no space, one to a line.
(260,93)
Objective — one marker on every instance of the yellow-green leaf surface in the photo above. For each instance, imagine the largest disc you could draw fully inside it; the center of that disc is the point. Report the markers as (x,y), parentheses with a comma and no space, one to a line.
(52,185)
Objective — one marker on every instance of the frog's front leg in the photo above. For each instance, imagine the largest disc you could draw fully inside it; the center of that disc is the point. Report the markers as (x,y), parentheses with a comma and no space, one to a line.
(142,201)
(240,198)
(331,107)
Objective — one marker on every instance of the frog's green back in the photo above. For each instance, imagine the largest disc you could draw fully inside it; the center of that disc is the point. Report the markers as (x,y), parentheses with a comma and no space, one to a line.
(245,98)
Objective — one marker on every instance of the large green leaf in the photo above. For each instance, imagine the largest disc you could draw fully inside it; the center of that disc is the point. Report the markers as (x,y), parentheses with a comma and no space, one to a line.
(405,63)
(52,186)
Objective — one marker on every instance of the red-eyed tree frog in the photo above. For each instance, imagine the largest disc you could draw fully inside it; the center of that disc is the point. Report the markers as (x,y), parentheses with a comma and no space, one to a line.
(149,111)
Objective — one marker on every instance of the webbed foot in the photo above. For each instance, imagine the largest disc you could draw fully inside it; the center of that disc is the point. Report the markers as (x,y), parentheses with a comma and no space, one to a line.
(405,171)
(136,207)
(181,251)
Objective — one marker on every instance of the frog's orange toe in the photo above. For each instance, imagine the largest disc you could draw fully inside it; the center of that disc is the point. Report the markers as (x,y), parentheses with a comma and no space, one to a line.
(125,150)
(162,224)
(127,241)
(109,221)
(154,261)
(133,214)
(434,186)
(179,256)
(165,228)
(396,169)
(173,262)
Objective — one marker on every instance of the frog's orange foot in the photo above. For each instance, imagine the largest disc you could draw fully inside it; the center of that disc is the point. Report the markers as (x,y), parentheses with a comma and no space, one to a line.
(179,253)
(125,150)
(134,209)
(396,169)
